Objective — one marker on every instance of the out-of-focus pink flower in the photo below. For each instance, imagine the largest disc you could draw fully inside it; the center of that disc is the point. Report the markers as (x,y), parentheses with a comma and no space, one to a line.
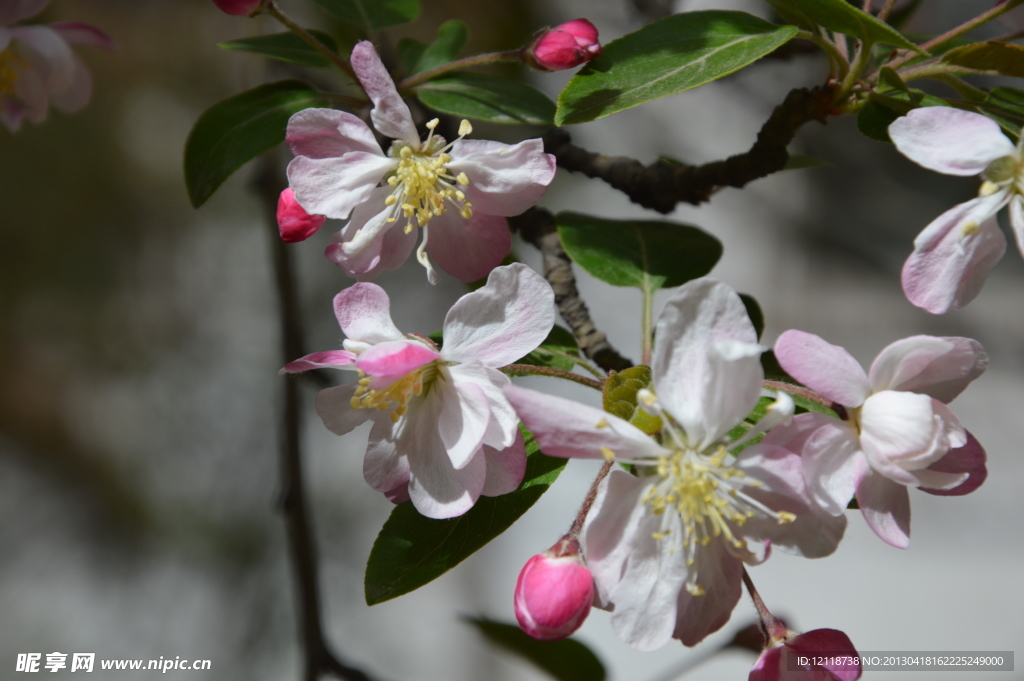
(554,592)
(245,8)
(565,46)
(460,191)
(900,433)
(781,659)
(38,66)
(294,223)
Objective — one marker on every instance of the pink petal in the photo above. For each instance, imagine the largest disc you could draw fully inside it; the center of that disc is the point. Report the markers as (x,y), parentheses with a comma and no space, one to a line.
(610,528)
(707,369)
(327,133)
(570,429)
(54,57)
(384,468)
(468,249)
(968,459)
(385,246)
(505,468)
(364,314)
(502,321)
(831,643)
(78,33)
(32,93)
(334,407)
(294,224)
(394,359)
(827,369)
(503,179)
(390,114)
(950,141)
(948,267)
(16,10)
(332,359)
(335,186)
(885,506)
(938,367)
(721,575)
(78,90)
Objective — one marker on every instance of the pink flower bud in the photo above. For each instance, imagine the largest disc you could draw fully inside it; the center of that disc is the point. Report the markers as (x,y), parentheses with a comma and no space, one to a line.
(563,47)
(792,658)
(293,221)
(554,592)
(242,8)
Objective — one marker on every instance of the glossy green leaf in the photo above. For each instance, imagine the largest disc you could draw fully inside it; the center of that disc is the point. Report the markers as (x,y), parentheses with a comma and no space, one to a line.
(286,47)
(558,351)
(645,254)
(754,312)
(487,98)
(677,53)
(881,110)
(998,58)
(888,79)
(372,15)
(619,397)
(412,550)
(842,17)
(239,129)
(564,660)
(451,36)
(409,53)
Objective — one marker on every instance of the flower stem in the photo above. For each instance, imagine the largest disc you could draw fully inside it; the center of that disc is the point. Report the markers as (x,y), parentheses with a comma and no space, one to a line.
(532,370)
(306,36)
(488,58)
(588,501)
(802,392)
(859,62)
(835,56)
(771,625)
(647,324)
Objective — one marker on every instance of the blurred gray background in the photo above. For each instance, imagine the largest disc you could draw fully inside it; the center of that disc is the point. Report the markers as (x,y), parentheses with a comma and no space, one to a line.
(138,360)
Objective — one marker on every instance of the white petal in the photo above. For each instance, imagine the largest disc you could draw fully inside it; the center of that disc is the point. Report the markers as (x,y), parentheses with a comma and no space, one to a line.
(502,321)
(720,574)
(54,51)
(938,367)
(78,90)
(885,506)
(950,141)
(610,528)
(503,428)
(335,409)
(384,468)
(335,186)
(327,133)
(390,113)
(1017,220)
(462,419)
(505,467)
(904,429)
(707,389)
(504,179)
(364,314)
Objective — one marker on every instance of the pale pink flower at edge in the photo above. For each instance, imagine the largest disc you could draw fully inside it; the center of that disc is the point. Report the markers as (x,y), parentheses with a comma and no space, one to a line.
(899,431)
(443,432)
(458,194)
(667,547)
(955,253)
(38,66)
(780,661)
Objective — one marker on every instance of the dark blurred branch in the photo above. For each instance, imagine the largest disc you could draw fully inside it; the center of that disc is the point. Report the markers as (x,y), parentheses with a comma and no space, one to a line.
(319,659)
(537,226)
(662,184)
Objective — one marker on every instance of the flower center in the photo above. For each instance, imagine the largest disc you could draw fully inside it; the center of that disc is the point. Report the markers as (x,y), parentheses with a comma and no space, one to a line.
(399,393)
(10,65)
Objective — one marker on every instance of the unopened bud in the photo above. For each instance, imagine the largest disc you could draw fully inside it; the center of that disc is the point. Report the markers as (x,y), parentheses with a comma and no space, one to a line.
(565,46)
(797,656)
(554,592)
(294,223)
(242,8)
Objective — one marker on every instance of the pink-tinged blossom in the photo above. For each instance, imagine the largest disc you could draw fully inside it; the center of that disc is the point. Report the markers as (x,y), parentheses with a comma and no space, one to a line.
(293,222)
(38,67)
(554,592)
(457,193)
(666,547)
(954,254)
(565,46)
(899,433)
(781,659)
(241,8)
(443,432)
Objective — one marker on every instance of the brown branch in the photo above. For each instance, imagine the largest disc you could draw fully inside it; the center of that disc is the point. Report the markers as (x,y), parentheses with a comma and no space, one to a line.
(318,658)
(537,226)
(662,184)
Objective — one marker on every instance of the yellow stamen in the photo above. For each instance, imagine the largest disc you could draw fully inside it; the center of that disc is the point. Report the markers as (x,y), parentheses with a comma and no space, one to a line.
(397,394)
(608,454)
(969,228)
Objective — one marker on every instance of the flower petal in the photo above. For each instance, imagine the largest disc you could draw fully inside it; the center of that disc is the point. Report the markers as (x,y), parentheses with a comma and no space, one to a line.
(364,314)
(391,360)
(390,114)
(468,249)
(502,321)
(328,133)
(720,573)
(827,369)
(335,186)
(949,141)
(505,467)
(78,33)
(954,255)
(58,63)
(905,429)
(16,10)
(503,427)
(610,527)
(707,383)
(332,359)
(834,645)
(886,508)
(968,459)
(503,179)
(462,420)
(334,405)
(1017,220)
(78,90)
(572,430)
(384,468)
(934,366)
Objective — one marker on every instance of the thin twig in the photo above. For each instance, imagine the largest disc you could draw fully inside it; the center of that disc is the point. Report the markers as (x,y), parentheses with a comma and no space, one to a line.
(465,62)
(274,11)
(588,501)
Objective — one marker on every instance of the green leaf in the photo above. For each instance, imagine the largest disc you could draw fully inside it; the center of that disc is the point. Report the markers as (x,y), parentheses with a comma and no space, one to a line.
(754,312)
(842,17)
(286,47)
(1005,105)
(642,253)
(760,409)
(558,351)
(487,98)
(564,660)
(372,15)
(619,397)
(677,53)
(410,52)
(888,79)
(412,550)
(1001,58)
(239,129)
(881,110)
(451,36)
